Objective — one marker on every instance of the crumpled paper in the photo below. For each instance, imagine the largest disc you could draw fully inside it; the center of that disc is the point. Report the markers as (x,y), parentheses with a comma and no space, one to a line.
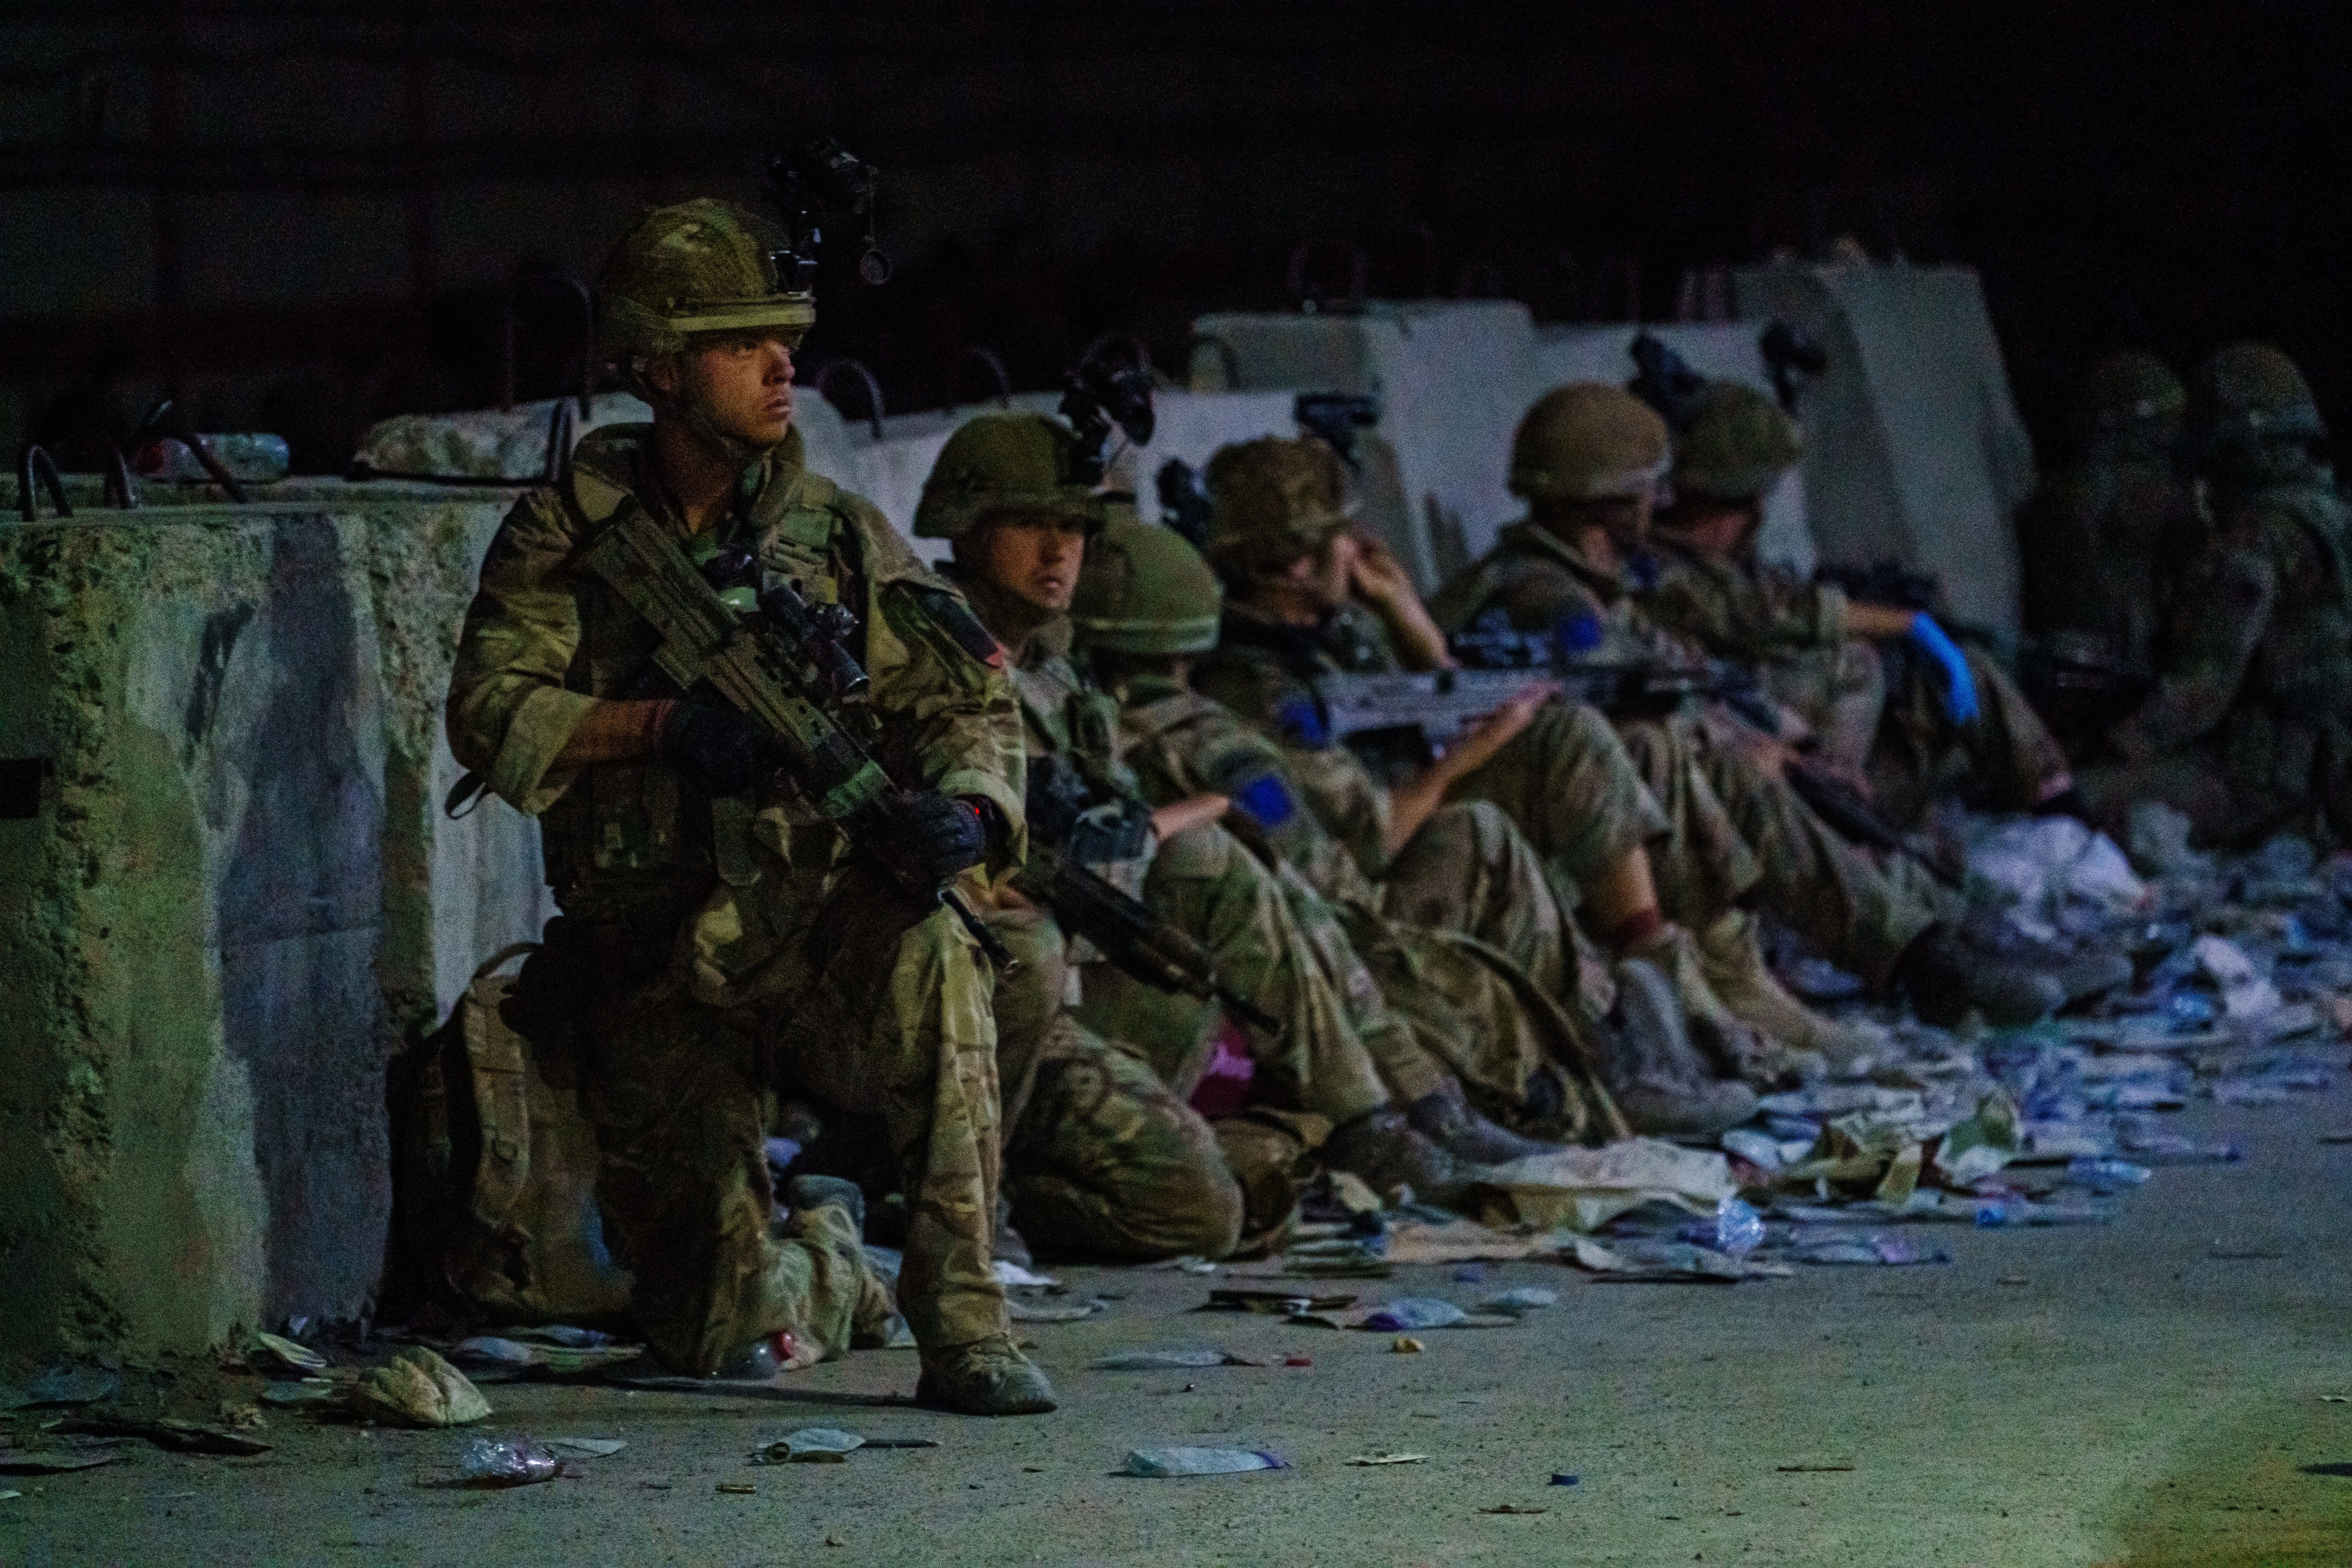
(418,1389)
(1584,1189)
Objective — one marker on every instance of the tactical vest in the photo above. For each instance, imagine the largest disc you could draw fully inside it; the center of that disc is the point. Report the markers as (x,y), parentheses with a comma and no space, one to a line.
(635,831)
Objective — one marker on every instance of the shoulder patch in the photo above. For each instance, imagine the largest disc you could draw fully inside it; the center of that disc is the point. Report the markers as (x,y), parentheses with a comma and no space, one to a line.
(963,627)
(1300,722)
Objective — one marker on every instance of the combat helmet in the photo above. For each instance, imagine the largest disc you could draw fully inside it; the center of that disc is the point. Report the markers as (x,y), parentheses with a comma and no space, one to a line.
(1004,462)
(1738,443)
(1145,590)
(2248,397)
(703,266)
(1588,441)
(1275,500)
(2128,391)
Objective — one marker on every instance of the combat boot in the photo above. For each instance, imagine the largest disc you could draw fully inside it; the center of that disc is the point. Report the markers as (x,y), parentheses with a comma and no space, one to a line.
(989,1377)
(1737,1047)
(2012,981)
(1446,1120)
(1654,1072)
(1732,957)
(1383,1148)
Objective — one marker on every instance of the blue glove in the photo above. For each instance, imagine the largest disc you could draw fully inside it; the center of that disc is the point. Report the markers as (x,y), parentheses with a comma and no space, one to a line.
(1960,686)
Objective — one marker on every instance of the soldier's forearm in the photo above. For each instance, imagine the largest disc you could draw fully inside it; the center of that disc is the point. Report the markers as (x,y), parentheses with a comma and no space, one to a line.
(616,731)
(1876,622)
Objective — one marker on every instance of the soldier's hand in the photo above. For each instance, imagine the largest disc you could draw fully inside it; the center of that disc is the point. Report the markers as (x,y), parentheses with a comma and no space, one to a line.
(929,838)
(715,747)
(1959,683)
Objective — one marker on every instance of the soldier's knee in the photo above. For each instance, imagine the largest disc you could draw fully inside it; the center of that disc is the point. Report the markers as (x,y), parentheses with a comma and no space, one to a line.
(1197,1209)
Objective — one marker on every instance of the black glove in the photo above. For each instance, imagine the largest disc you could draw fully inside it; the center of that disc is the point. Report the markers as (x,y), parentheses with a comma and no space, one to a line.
(715,747)
(926,839)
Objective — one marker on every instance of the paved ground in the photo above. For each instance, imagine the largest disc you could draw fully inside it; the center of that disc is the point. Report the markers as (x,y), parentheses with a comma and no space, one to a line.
(2125,1395)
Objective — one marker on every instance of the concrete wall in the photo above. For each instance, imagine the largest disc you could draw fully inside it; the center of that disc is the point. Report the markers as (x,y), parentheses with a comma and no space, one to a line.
(236,892)
(1914,449)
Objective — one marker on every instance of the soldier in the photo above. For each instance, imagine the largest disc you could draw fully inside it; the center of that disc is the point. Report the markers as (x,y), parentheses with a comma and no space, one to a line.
(1952,722)
(1588,459)
(1465,930)
(1309,596)
(717,935)
(2249,730)
(2104,538)
(1008,492)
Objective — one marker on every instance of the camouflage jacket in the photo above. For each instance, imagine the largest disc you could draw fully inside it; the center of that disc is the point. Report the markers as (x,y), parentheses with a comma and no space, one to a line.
(545,639)
(2103,544)
(2258,657)
(1182,744)
(1542,583)
(1739,609)
(1265,674)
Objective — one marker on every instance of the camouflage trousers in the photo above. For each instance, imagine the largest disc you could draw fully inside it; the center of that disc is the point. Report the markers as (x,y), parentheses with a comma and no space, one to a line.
(2227,806)
(2005,759)
(1101,1158)
(1341,1052)
(1567,783)
(1739,835)
(874,1008)
(1840,691)
(1472,946)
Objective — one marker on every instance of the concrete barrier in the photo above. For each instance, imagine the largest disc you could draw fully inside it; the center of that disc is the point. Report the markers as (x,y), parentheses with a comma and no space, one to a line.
(228,893)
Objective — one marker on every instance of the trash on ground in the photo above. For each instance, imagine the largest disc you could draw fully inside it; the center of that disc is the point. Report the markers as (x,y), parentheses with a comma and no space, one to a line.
(1525,1298)
(585,1447)
(1175,1357)
(309,1391)
(271,1352)
(62,1386)
(1456,1241)
(1405,1344)
(56,1457)
(181,1437)
(1283,1302)
(1870,1248)
(418,1389)
(506,1462)
(1584,1189)
(809,1446)
(517,1355)
(740,1489)
(1161,1463)
(1509,1508)
(1637,1261)
(1013,1274)
(1814,1470)
(1188,1263)
(1386,1459)
(1563,1478)
(1021,1309)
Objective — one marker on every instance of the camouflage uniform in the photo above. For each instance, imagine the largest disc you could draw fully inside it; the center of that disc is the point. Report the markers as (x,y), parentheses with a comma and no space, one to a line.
(1886,718)
(1463,935)
(2250,727)
(2104,537)
(715,949)
(1737,832)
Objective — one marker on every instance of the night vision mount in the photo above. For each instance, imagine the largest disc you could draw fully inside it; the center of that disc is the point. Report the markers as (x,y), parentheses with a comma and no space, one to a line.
(1109,386)
(812,180)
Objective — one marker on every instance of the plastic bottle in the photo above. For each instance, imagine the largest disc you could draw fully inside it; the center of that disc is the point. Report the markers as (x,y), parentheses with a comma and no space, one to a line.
(1738,1228)
(506,1462)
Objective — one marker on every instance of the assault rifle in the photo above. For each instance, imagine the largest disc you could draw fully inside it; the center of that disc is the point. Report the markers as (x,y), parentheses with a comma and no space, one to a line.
(788,669)
(1442,704)
(1073,824)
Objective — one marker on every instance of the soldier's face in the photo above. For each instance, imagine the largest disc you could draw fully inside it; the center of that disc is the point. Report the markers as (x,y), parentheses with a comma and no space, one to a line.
(1033,556)
(743,381)
(1327,577)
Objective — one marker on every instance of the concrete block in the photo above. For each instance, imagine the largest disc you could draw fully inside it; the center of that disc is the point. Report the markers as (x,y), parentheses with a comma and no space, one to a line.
(235,893)
(1452,378)
(1719,350)
(1915,448)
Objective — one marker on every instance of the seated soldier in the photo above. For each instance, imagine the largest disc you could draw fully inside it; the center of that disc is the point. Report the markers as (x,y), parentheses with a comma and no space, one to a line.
(1589,459)
(1016,497)
(2248,731)
(1963,729)
(719,931)
(1311,597)
(1465,930)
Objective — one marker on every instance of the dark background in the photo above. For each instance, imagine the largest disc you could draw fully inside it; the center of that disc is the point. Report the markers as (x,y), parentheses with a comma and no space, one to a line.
(304,217)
